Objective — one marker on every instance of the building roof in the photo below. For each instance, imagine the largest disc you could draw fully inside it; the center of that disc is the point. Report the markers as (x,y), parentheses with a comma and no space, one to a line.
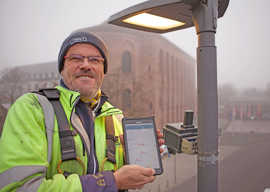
(102,28)
(250,99)
(148,36)
(42,67)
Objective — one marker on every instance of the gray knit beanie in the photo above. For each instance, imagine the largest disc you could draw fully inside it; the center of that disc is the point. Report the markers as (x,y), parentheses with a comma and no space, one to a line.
(82,37)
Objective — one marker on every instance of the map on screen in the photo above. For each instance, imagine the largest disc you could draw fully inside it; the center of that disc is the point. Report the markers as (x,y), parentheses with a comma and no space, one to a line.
(142,145)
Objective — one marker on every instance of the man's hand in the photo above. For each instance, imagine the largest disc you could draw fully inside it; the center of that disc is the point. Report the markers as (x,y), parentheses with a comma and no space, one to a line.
(160,140)
(133,177)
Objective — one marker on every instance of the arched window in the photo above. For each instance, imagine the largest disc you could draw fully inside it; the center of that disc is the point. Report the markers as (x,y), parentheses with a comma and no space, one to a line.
(126,98)
(126,62)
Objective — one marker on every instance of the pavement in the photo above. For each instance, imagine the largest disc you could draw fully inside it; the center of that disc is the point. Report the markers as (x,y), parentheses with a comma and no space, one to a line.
(248,126)
(243,160)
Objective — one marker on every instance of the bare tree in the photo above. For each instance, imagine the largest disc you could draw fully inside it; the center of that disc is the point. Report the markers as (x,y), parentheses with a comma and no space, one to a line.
(11,84)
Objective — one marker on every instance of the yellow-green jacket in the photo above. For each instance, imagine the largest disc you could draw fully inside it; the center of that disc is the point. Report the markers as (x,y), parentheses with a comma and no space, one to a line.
(28,160)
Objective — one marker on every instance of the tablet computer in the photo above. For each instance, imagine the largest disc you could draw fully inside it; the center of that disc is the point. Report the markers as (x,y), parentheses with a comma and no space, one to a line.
(141,143)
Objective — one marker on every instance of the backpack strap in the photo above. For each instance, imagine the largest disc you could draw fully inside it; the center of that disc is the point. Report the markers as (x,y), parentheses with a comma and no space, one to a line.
(68,151)
(111,139)
(49,121)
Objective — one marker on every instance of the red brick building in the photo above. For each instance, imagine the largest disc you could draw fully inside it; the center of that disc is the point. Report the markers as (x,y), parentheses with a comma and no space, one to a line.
(148,75)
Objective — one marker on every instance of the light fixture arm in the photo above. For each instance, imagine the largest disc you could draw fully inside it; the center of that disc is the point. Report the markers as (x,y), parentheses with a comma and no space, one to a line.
(205,16)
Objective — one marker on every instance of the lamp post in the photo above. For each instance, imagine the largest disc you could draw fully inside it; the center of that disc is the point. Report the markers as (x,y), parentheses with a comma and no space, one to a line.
(162,16)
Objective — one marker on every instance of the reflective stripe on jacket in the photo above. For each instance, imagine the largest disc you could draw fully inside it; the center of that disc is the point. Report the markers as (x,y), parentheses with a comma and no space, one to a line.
(24,148)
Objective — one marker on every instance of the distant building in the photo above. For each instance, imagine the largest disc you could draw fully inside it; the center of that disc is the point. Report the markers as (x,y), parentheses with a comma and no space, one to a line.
(249,108)
(148,75)
(19,80)
(40,76)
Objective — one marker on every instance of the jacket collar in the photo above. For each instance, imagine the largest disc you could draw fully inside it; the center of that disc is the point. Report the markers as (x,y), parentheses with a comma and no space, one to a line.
(68,96)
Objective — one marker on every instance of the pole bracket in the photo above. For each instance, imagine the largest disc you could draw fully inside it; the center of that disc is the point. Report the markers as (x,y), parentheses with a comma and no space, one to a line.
(210,158)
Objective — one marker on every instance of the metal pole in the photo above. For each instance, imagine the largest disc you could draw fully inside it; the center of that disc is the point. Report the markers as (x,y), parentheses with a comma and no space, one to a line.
(205,20)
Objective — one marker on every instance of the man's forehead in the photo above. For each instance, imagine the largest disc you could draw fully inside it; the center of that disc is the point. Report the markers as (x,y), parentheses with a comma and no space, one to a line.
(84,47)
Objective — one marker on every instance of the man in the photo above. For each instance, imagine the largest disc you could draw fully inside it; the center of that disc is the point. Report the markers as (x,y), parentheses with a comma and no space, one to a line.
(25,161)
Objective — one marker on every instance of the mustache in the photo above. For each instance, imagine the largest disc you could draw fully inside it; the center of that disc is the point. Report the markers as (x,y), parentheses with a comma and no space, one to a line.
(85,73)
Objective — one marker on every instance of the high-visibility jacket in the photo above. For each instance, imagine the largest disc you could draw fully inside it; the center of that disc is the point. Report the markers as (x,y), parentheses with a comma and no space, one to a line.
(26,165)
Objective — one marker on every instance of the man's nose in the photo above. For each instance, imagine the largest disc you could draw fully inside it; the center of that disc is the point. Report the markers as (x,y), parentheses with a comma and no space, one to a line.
(85,64)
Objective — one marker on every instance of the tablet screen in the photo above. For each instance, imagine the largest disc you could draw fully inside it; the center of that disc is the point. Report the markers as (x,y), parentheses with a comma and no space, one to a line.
(141,143)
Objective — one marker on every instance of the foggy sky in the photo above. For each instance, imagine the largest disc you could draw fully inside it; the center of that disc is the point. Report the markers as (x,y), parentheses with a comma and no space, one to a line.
(33,30)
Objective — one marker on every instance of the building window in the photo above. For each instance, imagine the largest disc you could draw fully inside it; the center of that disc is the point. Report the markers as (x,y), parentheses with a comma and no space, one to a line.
(126,98)
(126,62)
(36,87)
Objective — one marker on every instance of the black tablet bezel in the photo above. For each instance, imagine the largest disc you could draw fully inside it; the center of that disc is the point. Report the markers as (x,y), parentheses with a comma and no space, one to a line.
(125,121)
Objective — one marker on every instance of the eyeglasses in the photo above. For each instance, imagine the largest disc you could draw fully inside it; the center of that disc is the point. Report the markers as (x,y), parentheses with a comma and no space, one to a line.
(79,59)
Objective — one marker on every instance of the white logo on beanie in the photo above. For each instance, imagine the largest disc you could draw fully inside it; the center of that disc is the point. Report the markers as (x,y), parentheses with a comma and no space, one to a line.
(77,40)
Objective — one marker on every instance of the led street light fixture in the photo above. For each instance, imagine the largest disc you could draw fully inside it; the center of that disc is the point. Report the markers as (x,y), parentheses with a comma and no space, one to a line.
(161,16)
(153,21)
(157,16)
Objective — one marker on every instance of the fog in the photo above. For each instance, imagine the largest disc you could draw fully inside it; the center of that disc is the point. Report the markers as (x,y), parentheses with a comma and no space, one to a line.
(32,32)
